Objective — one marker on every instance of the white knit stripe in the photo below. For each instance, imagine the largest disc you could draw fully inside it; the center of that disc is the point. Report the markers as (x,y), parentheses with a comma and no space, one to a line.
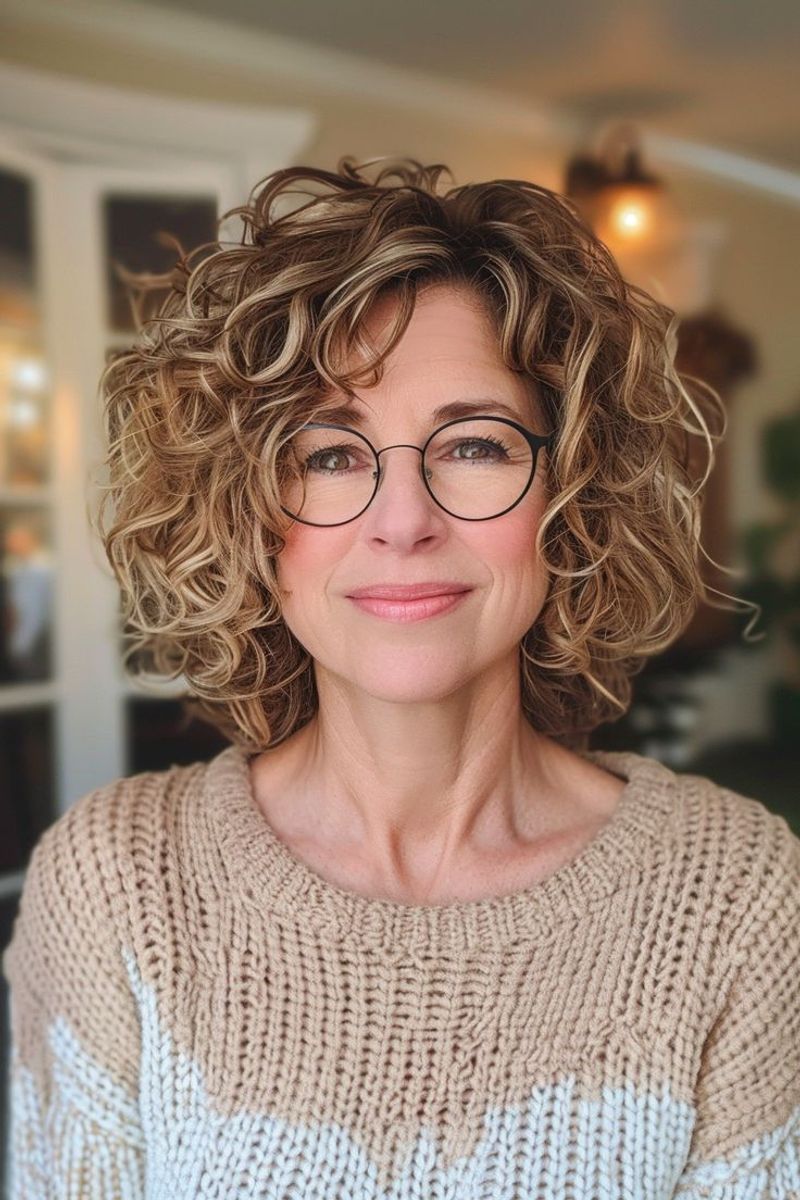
(94,1142)
(69,1153)
(87,1088)
(767,1168)
(27,1167)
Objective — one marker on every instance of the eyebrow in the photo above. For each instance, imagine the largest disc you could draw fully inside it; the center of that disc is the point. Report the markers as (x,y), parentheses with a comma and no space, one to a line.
(445,412)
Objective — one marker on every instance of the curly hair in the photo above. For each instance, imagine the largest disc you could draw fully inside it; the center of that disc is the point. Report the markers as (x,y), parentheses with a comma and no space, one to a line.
(251,339)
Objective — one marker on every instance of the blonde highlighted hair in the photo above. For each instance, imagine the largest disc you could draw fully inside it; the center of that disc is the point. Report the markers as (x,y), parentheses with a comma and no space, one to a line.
(254,335)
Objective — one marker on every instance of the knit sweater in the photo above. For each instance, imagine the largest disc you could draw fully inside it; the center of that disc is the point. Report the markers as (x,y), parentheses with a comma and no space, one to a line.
(195,1012)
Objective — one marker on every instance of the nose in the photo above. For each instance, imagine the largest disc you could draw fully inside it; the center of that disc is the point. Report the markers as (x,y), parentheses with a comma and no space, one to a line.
(415,470)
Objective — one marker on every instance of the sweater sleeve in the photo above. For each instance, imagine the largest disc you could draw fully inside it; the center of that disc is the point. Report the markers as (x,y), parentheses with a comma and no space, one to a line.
(73,1114)
(746,1139)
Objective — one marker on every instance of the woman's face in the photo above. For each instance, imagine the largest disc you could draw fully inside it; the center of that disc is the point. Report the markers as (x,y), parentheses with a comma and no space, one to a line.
(448,352)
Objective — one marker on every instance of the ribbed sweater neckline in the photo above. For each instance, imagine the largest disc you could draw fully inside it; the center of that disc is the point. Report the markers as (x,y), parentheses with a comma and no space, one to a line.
(264,873)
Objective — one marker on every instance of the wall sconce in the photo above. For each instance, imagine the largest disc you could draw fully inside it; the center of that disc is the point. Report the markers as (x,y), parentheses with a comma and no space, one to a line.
(633,212)
(624,204)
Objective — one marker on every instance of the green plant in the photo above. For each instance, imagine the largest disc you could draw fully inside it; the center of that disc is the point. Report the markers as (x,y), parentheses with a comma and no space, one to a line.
(771,549)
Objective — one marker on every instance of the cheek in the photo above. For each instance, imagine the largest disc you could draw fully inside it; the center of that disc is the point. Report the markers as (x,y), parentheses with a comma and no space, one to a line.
(508,551)
(509,542)
(308,556)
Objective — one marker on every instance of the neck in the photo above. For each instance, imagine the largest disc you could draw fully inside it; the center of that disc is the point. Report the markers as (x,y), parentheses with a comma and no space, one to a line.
(423,788)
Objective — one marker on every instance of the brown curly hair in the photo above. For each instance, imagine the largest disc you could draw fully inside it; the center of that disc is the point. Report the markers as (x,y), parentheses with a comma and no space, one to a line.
(254,335)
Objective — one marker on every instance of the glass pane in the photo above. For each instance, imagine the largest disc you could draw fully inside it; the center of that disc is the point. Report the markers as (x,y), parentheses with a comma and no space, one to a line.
(23,377)
(160,734)
(26,783)
(134,237)
(26,594)
(24,412)
(17,253)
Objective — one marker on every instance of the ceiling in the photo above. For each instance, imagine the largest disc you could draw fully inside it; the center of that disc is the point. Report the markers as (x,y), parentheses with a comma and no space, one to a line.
(721,72)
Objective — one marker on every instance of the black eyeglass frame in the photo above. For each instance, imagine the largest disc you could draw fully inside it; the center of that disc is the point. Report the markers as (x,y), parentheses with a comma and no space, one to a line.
(536,441)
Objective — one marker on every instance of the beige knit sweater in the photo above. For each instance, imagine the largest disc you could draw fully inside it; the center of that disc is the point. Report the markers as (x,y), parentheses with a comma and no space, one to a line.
(197,1013)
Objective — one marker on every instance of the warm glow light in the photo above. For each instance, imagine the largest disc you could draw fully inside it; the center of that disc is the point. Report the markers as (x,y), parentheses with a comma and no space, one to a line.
(638,220)
(630,213)
(629,218)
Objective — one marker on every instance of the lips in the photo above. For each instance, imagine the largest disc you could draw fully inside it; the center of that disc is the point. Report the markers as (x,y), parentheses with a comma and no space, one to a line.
(411,610)
(410,591)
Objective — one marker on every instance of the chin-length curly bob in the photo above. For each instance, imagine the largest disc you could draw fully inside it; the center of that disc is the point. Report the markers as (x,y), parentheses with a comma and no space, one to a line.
(255,337)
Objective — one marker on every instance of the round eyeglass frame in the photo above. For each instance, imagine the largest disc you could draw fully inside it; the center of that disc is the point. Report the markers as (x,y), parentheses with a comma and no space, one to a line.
(536,441)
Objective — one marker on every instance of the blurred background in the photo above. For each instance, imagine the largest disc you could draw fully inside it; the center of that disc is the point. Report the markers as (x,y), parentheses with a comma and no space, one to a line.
(675,125)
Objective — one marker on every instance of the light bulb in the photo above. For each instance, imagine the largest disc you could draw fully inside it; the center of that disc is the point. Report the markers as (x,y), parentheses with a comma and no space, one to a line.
(629,218)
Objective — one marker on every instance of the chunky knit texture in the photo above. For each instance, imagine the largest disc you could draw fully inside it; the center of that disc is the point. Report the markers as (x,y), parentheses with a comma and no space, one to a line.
(195,1012)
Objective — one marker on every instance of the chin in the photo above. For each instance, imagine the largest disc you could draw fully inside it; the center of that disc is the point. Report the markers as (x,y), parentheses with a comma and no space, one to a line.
(406,682)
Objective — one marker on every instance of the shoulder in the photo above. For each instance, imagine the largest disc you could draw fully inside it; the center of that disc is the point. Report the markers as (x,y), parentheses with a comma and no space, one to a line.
(719,852)
(720,882)
(88,915)
(749,853)
(104,819)
(77,878)
(741,824)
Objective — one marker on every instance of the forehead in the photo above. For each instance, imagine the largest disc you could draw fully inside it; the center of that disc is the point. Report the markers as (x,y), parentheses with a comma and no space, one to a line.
(448,362)
(442,313)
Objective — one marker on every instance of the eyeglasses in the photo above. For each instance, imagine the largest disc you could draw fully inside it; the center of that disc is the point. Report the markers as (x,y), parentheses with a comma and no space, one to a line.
(475,468)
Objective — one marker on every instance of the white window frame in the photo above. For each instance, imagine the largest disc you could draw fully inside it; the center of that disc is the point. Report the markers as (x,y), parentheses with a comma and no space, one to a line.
(77,142)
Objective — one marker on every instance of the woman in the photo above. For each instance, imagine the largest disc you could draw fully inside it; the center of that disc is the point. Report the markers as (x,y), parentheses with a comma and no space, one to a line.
(400,486)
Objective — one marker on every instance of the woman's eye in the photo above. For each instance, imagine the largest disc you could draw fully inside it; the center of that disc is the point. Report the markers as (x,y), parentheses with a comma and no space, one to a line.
(332,460)
(486,446)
